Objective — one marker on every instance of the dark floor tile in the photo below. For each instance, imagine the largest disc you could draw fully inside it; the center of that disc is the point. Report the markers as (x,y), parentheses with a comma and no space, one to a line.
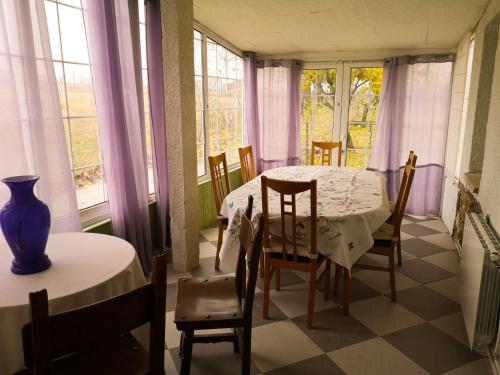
(423,272)
(359,290)
(416,219)
(213,359)
(214,243)
(320,365)
(431,349)
(275,314)
(426,303)
(287,278)
(417,230)
(171,296)
(332,330)
(421,248)
(206,268)
(201,238)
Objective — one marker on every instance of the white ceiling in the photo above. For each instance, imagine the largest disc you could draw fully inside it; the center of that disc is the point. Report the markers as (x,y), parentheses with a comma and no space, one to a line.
(339,26)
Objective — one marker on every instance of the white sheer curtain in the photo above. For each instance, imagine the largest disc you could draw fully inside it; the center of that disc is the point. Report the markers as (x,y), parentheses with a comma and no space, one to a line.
(32,139)
(278,96)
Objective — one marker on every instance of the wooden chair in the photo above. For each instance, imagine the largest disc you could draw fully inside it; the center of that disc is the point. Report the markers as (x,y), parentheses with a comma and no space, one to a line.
(247,163)
(386,240)
(326,152)
(221,302)
(298,258)
(96,339)
(221,188)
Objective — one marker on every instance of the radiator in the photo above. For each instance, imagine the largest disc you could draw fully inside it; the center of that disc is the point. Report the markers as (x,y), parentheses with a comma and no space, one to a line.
(480,283)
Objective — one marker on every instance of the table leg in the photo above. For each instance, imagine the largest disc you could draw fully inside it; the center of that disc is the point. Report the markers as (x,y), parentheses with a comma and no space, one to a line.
(347,291)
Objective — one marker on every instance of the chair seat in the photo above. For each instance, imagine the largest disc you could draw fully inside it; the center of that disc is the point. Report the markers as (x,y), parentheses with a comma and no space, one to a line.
(385,233)
(121,356)
(206,301)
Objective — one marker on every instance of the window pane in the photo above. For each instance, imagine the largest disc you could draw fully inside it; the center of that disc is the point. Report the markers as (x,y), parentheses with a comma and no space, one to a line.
(318,107)
(221,61)
(53,25)
(75,3)
(90,187)
(196,34)
(200,141)
(198,87)
(197,57)
(142,35)
(142,16)
(80,91)
(145,89)
(365,89)
(58,69)
(74,42)
(211,58)
(84,142)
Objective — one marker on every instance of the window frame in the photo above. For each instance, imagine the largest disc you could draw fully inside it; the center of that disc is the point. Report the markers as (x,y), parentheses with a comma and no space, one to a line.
(205,35)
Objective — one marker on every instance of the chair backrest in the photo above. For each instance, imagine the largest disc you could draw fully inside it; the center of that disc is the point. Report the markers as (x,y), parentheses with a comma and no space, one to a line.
(289,188)
(247,163)
(404,193)
(49,337)
(240,273)
(248,258)
(412,158)
(220,178)
(326,152)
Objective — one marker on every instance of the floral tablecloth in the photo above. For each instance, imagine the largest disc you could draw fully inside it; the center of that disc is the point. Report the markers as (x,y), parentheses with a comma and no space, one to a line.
(352,204)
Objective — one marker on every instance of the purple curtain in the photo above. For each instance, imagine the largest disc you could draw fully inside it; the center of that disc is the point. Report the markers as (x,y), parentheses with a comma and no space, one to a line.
(272,100)
(121,121)
(158,128)
(413,115)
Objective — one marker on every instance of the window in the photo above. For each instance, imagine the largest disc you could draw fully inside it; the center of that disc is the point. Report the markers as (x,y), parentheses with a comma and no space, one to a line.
(72,67)
(318,108)
(73,73)
(364,97)
(219,100)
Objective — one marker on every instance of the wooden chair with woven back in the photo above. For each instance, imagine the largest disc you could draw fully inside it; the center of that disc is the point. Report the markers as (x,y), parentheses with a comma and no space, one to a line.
(386,240)
(221,188)
(284,251)
(222,302)
(247,163)
(326,152)
(96,339)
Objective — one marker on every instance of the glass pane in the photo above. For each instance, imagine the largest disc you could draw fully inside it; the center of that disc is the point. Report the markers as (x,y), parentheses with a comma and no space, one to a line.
(197,57)
(365,87)
(196,34)
(75,3)
(144,56)
(53,24)
(58,69)
(198,91)
(145,89)
(318,108)
(90,187)
(200,141)
(221,61)
(211,58)
(212,92)
(79,90)
(142,8)
(222,100)
(74,42)
(84,142)
(149,153)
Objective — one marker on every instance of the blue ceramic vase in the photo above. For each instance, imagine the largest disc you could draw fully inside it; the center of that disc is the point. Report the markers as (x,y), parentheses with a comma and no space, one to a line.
(25,222)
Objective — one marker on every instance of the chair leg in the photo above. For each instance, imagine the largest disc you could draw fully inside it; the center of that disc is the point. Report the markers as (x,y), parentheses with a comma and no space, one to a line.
(277,279)
(347,291)
(236,342)
(247,350)
(399,251)
(262,266)
(267,281)
(219,245)
(187,350)
(338,269)
(328,271)
(392,276)
(312,292)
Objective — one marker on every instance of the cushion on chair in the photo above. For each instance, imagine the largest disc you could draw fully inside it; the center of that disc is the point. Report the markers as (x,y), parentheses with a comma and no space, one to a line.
(207,300)
(385,233)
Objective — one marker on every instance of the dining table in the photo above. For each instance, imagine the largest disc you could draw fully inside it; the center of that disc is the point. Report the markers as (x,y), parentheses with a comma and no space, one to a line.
(351,205)
(86,268)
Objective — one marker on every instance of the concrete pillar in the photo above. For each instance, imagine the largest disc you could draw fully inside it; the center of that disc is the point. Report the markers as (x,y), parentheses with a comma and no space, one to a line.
(178,72)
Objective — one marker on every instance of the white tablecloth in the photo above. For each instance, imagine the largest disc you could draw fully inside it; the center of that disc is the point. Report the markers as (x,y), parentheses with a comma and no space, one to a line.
(86,268)
(352,204)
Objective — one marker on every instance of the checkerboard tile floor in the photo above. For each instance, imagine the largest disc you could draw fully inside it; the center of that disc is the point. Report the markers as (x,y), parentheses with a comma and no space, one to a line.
(423,333)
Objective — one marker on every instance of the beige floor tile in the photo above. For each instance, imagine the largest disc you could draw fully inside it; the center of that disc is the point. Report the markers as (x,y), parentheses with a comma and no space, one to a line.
(380,280)
(440,239)
(406,256)
(383,316)
(404,222)
(447,260)
(280,344)
(211,234)
(207,250)
(406,236)
(453,325)
(170,368)
(173,275)
(375,356)
(292,300)
(480,367)
(172,335)
(447,287)
(435,224)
